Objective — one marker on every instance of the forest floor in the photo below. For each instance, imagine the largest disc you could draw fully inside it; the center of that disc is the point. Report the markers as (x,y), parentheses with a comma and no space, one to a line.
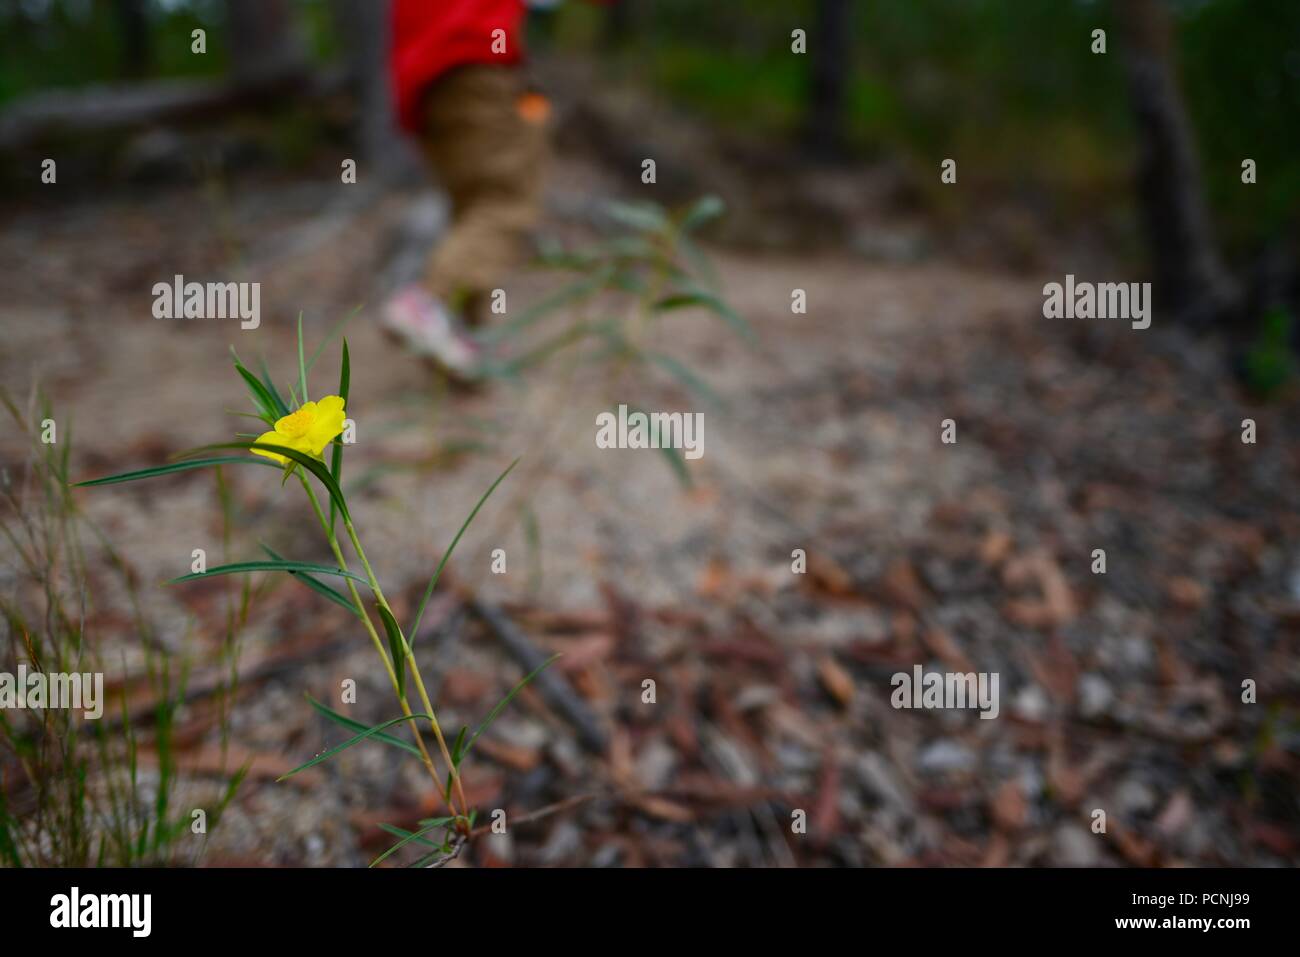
(1119,692)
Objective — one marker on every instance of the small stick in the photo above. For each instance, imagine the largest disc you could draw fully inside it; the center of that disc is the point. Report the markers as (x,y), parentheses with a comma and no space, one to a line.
(556,808)
(553,689)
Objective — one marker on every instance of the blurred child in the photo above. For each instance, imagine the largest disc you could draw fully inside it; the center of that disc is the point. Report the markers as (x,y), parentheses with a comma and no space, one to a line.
(460,88)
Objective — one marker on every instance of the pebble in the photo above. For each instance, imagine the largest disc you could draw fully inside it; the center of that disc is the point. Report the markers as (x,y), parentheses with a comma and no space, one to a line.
(945,756)
(1095,695)
(1031,704)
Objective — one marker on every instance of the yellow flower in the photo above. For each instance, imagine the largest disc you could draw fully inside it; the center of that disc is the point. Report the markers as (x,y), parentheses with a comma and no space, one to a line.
(308,428)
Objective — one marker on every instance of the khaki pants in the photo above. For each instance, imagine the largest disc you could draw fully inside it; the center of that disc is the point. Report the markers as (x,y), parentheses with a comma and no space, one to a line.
(489,158)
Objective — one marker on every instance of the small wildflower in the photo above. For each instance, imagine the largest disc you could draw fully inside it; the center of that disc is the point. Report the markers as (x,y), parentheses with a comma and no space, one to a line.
(307,429)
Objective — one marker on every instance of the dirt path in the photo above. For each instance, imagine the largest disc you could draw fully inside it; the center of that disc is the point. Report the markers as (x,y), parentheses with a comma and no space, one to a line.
(772,688)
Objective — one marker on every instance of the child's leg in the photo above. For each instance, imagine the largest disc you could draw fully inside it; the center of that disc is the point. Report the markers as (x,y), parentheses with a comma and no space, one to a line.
(490,159)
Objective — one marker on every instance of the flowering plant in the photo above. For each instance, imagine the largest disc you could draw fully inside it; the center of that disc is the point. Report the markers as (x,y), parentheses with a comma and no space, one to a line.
(300,432)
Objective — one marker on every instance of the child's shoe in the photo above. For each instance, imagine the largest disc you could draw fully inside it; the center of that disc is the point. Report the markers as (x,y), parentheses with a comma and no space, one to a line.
(427,327)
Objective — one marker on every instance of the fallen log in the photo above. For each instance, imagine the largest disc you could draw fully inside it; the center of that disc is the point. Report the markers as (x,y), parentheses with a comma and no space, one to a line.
(109,107)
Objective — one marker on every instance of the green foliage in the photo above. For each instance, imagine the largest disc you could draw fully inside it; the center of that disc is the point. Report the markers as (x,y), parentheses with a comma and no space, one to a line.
(312,582)
(356,739)
(1009,86)
(60,43)
(354,725)
(437,572)
(650,266)
(1240,64)
(83,800)
(610,314)
(1269,364)
(397,654)
(274,565)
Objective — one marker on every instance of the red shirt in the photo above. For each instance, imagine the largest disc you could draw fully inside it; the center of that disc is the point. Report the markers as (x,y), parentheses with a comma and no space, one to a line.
(431,36)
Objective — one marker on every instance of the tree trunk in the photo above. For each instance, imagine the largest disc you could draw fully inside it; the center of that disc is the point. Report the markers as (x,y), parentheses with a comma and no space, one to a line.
(364,27)
(618,27)
(137,51)
(828,47)
(1191,281)
(264,44)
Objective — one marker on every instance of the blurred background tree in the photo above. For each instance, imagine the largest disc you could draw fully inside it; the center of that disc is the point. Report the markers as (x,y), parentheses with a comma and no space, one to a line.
(1186,90)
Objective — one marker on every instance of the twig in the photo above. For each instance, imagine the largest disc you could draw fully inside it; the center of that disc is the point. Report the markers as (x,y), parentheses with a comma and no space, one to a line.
(556,808)
(456,847)
(553,688)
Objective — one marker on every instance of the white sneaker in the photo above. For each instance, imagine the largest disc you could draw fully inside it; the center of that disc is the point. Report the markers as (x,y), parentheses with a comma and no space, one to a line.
(428,328)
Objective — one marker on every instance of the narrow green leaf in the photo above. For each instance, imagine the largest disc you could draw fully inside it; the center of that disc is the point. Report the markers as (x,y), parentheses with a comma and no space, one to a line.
(237,568)
(268,380)
(533,539)
(345,373)
(336,453)
(369,732)
(702,210)
(228,794)
(683,374)
(694,255)
(672,456)
(568,294)
(706,300)
(492,715)
(353,725)
(302,361)
(632,249)
(315,584)
(262,400)
(402,832)
(410,836)
(459,743)
(415,628)
(674,459)
(396,648)
(696,259)
(174,467)
(312,464)
(338,327)
(427,860)
(561,340)
(644,217)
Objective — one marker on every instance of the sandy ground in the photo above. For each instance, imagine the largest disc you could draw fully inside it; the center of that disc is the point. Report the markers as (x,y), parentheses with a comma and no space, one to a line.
(1118,692)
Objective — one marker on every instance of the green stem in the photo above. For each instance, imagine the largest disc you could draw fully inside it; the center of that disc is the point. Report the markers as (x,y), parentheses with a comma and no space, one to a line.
(410,660)
(375,639)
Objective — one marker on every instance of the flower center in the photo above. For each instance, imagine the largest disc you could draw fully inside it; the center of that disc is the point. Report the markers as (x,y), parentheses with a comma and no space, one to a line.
(296,424)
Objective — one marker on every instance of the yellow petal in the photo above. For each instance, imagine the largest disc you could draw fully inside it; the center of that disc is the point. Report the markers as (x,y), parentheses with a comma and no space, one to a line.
(272,438)
(327,422)
(297,422)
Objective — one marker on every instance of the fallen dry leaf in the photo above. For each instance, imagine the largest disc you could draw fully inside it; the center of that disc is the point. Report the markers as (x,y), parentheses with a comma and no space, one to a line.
(1008,807)
(941,643)
(835,680)
(902,586)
